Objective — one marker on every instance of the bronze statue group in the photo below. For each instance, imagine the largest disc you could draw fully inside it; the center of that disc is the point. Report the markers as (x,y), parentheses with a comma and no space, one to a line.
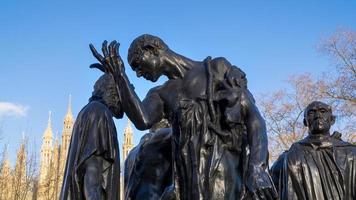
(215,144)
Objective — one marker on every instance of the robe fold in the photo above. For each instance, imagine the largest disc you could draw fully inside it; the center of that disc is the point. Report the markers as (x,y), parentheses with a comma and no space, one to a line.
(210,137)
(94,133)
(317,168)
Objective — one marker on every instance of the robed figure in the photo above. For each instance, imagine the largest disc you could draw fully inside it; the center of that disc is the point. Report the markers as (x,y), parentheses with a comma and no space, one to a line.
(320,166)
(93,166)
(213,117)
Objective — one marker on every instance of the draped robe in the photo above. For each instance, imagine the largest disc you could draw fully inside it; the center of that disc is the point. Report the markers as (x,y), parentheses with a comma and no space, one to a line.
(317,168)
(94,133)
(209,137)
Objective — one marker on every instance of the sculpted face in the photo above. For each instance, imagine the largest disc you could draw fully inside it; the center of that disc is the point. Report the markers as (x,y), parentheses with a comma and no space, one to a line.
(149,67)
(318,117)
(146,55)
(116,107)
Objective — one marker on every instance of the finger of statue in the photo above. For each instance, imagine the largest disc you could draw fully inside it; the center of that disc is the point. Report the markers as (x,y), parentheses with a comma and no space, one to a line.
(117,48)
(111,50)
(112,55)
(98,66)
(104,48)
(117,58)
(111,47)
(95,53)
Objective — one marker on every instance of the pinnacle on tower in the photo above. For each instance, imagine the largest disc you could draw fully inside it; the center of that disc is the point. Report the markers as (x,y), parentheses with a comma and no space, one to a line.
(48,131)
(128,128)
(127,144)
(69,115)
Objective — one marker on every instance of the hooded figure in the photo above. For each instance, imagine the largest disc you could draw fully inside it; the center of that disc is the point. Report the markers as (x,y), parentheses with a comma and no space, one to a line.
(321,166)
(93,165)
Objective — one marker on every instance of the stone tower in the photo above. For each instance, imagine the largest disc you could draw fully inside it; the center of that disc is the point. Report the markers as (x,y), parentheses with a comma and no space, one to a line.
(54,157)
(67,130)
(46,150)
(126,148)
(68,122)
(127,144)
(56,168)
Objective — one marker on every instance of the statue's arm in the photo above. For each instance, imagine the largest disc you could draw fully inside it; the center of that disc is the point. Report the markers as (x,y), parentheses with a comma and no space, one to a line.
(256,131)
(144,114)
(258,180)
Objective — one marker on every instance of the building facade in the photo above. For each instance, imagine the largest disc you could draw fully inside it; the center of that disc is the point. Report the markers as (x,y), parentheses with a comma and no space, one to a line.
(126,148)
(53,157)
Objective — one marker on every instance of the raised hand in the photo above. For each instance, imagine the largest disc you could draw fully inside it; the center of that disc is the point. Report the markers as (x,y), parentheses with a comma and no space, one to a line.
(110,61)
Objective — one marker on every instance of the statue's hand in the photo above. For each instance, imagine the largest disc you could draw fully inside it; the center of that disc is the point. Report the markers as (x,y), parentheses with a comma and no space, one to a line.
(260,185)
(111,61)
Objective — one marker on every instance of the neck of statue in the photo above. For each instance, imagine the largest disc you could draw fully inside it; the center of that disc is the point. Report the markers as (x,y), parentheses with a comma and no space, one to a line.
(178,65)
(321,136)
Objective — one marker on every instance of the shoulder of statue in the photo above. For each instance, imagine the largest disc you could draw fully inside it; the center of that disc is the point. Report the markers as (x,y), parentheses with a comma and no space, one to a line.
(341,143)
(221,67)
(296,148)
(295,155)
(157,89)
(218,63)
(96,108)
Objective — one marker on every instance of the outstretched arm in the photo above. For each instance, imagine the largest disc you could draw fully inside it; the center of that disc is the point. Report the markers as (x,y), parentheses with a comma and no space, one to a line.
(143,114)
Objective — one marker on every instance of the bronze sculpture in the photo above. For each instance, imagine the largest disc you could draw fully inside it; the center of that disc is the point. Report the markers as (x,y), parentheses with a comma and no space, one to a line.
(320,166)
(148,167)
(213,115)
(93,167)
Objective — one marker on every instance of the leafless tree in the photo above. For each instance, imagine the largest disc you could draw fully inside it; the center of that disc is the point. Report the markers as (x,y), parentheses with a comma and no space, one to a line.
(24,173)
(283,109)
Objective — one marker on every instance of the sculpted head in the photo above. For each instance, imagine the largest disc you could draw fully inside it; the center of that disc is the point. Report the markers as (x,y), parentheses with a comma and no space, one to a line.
(105,90)
(318,118)
(146,56)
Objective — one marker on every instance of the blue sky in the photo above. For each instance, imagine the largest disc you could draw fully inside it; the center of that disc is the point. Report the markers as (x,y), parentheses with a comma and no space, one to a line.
(44,54)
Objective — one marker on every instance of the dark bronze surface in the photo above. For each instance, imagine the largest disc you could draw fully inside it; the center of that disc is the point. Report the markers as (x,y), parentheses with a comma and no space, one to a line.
(148,167)
(219,141)
(320,166)
(93,165)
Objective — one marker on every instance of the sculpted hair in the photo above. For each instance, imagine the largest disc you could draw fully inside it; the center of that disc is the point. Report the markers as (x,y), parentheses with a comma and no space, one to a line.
(105,89)
(143,43)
